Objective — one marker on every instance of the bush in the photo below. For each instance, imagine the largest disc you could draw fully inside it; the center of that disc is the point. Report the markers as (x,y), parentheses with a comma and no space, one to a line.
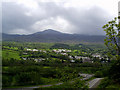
(6,81)
(98,74)
(114,72)
(28,78)
(104,83)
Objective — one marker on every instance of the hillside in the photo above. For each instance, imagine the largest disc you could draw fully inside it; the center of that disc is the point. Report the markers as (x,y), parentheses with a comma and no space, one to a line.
(52,36)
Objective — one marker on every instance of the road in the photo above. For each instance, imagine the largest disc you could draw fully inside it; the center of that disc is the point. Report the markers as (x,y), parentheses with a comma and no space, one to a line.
(86,76)
(32,87)
(94,83)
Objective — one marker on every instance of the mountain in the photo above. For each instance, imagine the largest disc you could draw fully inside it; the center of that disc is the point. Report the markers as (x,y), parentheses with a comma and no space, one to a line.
(49,31)
(52,36)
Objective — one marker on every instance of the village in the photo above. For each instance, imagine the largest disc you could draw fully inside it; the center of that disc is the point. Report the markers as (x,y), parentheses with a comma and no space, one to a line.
(64,52)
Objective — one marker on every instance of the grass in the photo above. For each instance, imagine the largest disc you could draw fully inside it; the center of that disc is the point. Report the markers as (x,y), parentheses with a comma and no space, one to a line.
(116,86)
(12,48)
(48,81)
(90,79)
(106,83)
(74,83)
(7,54)
(46,67)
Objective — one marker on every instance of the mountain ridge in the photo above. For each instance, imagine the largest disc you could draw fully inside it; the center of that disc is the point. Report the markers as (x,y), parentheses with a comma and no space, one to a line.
(50,35)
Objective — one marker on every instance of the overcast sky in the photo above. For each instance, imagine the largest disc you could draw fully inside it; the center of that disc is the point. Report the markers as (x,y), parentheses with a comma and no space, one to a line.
(68,16)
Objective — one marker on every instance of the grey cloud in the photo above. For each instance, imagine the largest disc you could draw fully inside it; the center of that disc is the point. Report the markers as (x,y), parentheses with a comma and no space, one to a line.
(87,21)
(84,21)
(14,17)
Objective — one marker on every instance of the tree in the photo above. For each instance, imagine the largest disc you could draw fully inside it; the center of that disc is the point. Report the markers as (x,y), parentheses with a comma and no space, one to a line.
(112,29)
(112,41)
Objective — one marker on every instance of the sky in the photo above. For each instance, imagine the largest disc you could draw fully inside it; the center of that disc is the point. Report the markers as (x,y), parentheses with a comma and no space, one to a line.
(68,16)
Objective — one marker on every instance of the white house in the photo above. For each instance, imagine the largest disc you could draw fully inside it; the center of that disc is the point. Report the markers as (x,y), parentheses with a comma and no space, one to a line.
(34,50)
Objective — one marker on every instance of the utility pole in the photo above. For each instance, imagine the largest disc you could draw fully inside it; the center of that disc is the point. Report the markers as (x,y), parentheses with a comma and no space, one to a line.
(119,26)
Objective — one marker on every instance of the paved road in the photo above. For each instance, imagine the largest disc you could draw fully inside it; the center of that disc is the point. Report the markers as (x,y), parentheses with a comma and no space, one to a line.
(86,76)
(31,88)
(94,83)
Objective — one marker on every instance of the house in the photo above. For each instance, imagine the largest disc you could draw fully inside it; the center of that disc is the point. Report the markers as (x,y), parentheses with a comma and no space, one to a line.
(86,76)
(86,59)
(44,51)
(34,50)
(56,51)
(61,50)
(70,57)
(24,53)
(72,60)
(78,57)
(96,55)
(24,58)
(29,49)
(39,59)
(64,54)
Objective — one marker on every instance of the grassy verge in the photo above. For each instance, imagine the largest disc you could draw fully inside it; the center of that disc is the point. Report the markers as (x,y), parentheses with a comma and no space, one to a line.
(107,83)
(90,79)
(74,83)
(46,80)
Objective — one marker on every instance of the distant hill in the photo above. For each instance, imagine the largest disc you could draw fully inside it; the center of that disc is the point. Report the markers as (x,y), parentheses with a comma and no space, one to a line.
(48,31)
(52,36)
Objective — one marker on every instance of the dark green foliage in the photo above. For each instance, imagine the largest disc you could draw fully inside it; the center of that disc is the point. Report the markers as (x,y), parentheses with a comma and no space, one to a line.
(75,84)
(28,78)
(104,71)
(26,73)
(114,72)
(6,80)
(60,46)
(105,82)
(112,29)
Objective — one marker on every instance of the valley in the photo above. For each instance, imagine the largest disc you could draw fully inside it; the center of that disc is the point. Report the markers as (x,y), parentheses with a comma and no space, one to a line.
(34,64)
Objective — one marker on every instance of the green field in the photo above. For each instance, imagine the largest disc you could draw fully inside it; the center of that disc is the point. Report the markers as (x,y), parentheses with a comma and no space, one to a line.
(7,54)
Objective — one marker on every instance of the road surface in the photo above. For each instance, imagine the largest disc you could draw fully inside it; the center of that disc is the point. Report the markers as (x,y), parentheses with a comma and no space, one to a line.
(32,87)
(94,83)
(86,76)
